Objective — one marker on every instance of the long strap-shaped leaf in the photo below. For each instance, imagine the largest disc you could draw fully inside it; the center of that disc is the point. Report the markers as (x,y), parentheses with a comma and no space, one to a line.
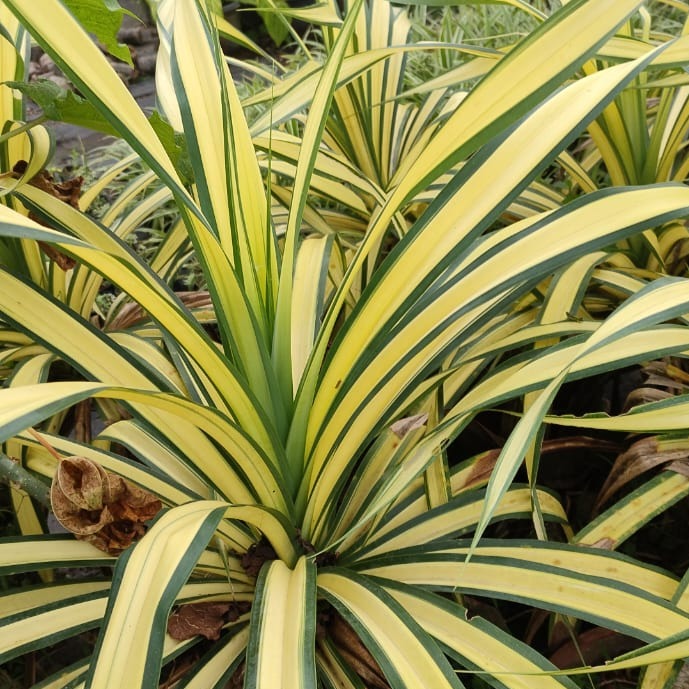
(514,86)
(76,54)
(227,175)
(457,516)
(407,655)
(477,643)
(281,649)
(52,24)
(32,553)
(24,406)
(215,669)
(50,624)
(662,300)
(560,587)
(462,211)
(146,582)
(28,553)
(41,617)
(393,364)
(448,225)
(124,268)
(313,132)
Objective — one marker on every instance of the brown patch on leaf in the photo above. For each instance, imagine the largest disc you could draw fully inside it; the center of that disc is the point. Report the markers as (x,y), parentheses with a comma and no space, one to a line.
(482,468)
(68,191)
(679,468)
(258,554)
(100,507)
(410,423)
(605,543)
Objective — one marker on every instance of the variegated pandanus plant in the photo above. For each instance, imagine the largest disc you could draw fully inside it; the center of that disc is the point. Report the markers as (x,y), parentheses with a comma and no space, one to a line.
(298,449)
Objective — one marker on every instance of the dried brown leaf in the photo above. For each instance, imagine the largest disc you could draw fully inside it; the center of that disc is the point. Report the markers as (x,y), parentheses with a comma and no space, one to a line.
(355,653)
(592,647)
(130,314)
(68,191)
(485,462)
(680,467)
(100,507)
(258,554)
(644,395)
(198,619)
(641,456)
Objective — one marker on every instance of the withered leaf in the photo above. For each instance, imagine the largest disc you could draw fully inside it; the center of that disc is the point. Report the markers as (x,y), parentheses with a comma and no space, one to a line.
(356,654)
(640,457)
(258,554)
(593,646)
(67,191)
(203,619)
(100,507)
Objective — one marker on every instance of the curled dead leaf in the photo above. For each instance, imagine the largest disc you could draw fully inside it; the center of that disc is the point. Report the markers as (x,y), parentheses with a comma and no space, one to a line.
(640,457)
(257,555)
(68,191)
(100,507)
(680,467)
(204,619)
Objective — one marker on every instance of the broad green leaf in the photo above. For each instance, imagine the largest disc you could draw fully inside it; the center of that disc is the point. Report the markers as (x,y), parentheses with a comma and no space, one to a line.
(103,19)
(63,105)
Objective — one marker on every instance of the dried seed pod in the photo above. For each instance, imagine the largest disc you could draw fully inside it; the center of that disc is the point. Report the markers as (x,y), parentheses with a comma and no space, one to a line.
(100,507)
